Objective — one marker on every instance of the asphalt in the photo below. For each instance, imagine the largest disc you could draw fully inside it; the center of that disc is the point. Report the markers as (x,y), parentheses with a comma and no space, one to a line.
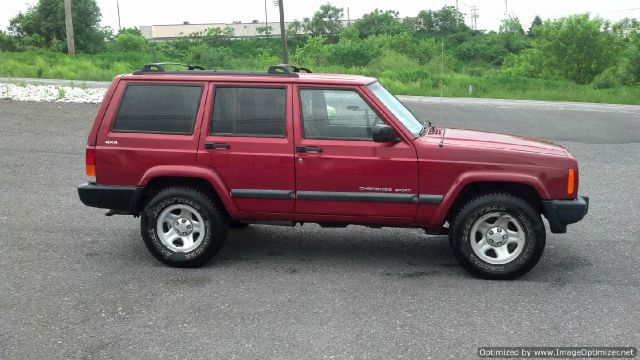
(79,285)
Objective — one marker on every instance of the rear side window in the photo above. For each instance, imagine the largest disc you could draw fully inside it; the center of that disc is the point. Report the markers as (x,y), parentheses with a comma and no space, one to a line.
(169,109)
(246,111)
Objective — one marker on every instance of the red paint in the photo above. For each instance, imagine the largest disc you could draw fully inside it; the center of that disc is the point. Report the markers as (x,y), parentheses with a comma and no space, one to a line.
(418,166)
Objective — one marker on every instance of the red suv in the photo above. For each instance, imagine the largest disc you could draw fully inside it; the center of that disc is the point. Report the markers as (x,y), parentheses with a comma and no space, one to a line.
(194,153)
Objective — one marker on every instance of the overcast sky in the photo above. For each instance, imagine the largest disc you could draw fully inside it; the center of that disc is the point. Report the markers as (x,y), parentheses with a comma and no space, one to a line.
(148,12)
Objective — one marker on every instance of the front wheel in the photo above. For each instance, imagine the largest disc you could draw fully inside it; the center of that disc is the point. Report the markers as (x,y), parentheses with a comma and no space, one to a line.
(497,236)
(182,227)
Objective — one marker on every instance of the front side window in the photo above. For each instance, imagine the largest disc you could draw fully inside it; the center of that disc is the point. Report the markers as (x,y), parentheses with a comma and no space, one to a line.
(245,111)
(336,114)
(149,108)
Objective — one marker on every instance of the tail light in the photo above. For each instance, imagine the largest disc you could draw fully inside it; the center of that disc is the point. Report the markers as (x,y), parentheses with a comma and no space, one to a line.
(90,161)
(571,182)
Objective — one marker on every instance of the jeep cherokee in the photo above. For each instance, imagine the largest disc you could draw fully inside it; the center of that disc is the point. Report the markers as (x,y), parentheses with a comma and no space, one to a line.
(195,152)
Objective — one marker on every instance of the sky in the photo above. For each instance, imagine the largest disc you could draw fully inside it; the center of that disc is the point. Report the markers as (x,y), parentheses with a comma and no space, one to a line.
(148,12)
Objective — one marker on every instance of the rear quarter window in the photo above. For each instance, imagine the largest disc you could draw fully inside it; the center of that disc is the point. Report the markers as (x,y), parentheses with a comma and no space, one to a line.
(155,108)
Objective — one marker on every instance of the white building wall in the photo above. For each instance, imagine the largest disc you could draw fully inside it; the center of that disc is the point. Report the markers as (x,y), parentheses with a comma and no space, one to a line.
(168,32)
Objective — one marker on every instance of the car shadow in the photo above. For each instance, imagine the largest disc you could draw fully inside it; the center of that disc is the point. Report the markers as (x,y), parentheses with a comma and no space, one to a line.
(393,252)
(355,244)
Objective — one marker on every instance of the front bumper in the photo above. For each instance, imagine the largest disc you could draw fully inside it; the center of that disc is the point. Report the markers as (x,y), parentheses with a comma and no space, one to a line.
(123,198)
(561,213)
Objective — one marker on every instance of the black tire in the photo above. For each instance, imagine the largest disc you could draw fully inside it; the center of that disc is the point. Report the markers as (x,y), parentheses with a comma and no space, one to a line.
(215,227)
(235,224)
(529,219)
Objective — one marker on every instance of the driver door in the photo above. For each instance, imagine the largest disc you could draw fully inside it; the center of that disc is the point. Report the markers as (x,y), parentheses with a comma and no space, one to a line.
(339,169)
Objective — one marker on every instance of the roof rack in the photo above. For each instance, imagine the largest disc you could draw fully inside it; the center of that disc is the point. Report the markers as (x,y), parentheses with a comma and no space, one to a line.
(160,67)
(273,70)
(287,69)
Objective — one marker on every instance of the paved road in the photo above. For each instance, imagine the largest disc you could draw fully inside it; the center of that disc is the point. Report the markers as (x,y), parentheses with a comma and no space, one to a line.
(76,284)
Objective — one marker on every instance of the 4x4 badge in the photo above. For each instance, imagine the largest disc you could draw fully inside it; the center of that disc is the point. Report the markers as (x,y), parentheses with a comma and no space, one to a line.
(111,142)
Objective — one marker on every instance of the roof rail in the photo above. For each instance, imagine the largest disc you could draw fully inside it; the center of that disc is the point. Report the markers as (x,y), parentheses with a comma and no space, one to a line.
(273,70)
(286,69)
(160,67)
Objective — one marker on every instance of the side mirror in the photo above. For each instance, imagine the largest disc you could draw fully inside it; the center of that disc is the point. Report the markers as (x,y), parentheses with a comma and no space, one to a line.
(384,133)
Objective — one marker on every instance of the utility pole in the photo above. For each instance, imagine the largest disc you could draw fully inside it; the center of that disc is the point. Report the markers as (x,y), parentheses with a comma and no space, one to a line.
(474,17)
(283,34)
(266,19)
(457,5)
(119,23)
(506,9)
(71,46)
(348,17)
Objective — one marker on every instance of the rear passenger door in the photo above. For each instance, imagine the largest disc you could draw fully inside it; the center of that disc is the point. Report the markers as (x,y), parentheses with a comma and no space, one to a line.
(248,140)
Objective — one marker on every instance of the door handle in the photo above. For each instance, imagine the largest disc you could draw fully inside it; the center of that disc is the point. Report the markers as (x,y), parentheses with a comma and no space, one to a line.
(216,146)
(302,149)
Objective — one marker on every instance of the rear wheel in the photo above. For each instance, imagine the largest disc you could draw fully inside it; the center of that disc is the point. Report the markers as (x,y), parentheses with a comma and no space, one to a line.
(497,236)
(182,227)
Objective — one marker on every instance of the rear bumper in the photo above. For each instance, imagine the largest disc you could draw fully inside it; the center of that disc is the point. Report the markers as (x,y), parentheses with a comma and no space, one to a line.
(561,213)
(123,198)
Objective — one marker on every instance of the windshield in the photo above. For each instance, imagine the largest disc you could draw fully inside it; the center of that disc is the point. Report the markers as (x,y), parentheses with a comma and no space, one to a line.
(397,108)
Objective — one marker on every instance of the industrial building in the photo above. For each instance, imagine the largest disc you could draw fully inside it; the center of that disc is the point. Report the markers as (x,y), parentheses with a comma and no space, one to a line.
(240,29)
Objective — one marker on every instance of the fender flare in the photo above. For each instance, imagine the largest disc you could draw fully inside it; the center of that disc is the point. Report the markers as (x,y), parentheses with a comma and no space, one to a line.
(485,176)
(198,172)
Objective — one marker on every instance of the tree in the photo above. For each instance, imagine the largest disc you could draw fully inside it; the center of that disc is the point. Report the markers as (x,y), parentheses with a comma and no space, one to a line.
(7,42)
(575,48)
(295,28)
(511,25)
(326,21)
(216,35)
(46,20)
(626,24)
(131,31)
(447,20)
(483,48)
(131,42)
(379,22)
(537,21)
(512,35)
(264,30)
(350,50)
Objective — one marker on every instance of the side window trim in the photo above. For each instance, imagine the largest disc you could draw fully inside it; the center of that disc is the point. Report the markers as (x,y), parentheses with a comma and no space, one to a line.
(215,88)
(113,128)
(336,88)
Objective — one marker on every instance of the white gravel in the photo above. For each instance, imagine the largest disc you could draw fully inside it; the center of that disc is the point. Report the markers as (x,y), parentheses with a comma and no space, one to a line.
(51,93)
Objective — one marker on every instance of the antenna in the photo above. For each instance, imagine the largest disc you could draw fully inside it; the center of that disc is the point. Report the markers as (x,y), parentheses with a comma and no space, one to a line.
(441,81)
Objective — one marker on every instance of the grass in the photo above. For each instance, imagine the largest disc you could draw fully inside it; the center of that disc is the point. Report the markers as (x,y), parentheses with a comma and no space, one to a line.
(404,79)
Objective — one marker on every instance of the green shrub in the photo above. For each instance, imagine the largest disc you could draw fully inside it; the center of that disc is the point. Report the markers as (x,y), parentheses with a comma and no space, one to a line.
(211,57)
(131,42)
(608,79)
(8,42)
